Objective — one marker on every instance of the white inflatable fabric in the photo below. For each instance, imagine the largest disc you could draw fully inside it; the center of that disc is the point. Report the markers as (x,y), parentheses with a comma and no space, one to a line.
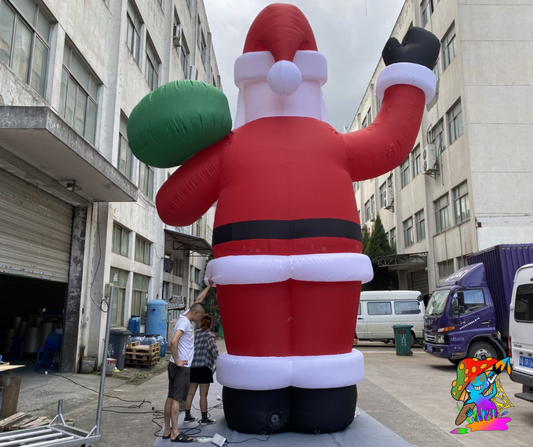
(273,373)
(265,269)
(407,73)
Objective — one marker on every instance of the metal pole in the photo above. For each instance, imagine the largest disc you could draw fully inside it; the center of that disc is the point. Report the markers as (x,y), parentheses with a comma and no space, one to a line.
(109,290)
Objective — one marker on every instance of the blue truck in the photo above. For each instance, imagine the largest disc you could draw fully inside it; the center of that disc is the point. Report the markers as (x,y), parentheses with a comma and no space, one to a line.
(468,315)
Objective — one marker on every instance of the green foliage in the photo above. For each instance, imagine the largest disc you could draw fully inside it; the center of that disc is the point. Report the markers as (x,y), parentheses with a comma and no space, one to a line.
(378,245)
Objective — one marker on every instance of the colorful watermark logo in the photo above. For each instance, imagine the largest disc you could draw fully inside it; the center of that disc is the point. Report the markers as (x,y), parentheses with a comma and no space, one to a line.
(484,401)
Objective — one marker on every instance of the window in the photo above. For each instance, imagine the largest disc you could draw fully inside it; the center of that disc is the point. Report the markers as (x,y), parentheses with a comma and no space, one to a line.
(143,249)
(133,37)
(408,234)
(445,268)
(177,267)
(405,174)
(198,230)
(382,195)
(78,97)
(392,238)
(378,104)
(25,42)
(367,210)
(152,66)
(436,136)
(379,308)
(436,69)
(355,186)
(455,122)
(177,289)
(417,160)
(139,296)
(146,180)
(406,308)
(427,7)
(125,156)
(461,206)
(364,123)
(372,207)
(473,300)
(201,43)
(121,238)
(524,303)
(369,116)
(442,215)
(462,261)
(119,278)
(184,56)
(420,226)
(448,47)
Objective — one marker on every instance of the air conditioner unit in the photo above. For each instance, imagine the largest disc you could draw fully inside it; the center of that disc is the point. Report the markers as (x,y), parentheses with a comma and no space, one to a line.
(389,197)
(176,36)
(429,158)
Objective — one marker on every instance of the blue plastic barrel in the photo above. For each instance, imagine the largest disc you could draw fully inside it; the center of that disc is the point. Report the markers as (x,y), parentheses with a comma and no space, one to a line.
(134,325)
(162,345)
(156,318)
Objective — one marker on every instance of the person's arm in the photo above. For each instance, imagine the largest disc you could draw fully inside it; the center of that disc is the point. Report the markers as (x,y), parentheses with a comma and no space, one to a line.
(203,294)
(174,348)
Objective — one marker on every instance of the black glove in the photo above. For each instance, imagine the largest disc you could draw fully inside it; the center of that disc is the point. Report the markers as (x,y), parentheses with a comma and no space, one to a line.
(418,47)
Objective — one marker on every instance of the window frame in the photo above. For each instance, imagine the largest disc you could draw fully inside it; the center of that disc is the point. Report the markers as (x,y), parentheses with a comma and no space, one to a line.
(408,232)
(442,213)
(127,168)
(405,173)
(382,195)
(124,240)
(143,250)
(449,50)
(461,203)
(139,295)
(420,224)
(437,137)
(119,295)
(152,64)
(146,180)
(416,162)
(371,304)
(455,121)
(134,24)
(445,268)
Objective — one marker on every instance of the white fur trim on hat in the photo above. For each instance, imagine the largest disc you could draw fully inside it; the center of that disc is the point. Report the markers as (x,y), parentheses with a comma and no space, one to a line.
(265,269)
(407,73)
(273,373)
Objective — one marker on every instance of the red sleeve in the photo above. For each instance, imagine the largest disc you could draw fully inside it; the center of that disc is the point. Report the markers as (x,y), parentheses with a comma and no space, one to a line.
(193,188)
(387,142)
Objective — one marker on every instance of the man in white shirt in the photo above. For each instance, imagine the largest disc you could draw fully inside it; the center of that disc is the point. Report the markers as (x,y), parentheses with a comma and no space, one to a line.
(182,349)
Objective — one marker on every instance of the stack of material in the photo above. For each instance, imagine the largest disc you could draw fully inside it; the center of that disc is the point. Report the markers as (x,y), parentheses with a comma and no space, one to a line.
(22,420)
(142,355)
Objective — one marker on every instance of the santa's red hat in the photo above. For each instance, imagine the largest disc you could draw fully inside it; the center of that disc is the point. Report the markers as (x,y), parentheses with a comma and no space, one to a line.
(280,47)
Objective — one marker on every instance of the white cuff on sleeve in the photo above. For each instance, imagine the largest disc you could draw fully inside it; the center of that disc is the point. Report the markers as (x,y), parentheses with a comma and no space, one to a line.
(407,73)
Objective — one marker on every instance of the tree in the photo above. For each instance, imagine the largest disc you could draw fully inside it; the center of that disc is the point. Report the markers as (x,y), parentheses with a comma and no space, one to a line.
(378,245)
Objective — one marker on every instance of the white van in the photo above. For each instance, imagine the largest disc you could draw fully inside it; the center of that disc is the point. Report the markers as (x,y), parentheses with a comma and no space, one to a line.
(521,331)
(380,310)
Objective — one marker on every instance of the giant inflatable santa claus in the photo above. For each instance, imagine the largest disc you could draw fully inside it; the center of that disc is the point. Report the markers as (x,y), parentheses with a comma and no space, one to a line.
(287,238)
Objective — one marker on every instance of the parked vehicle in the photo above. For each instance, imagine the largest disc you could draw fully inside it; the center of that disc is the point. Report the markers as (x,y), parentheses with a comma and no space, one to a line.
(468,315)
(380,310)
(521,331)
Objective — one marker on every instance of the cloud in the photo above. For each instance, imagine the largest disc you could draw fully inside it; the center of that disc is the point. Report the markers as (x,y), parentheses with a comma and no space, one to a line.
(350,34)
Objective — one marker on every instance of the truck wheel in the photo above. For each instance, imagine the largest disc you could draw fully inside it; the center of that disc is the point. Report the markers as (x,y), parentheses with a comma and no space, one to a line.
(482,351)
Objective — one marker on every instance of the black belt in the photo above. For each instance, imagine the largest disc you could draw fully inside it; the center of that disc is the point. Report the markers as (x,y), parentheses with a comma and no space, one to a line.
(287,229)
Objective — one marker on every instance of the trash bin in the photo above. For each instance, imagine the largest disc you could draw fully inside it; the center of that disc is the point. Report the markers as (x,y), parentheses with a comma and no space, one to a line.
(118,340)
(402,339)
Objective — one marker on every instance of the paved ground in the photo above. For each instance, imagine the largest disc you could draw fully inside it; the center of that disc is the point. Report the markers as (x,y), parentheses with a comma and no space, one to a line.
(404,401)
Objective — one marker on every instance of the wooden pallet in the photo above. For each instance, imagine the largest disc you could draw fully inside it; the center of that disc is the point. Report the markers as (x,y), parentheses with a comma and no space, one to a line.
(141,362)
(143,349)
(133,344)
(22,420)
(142,355)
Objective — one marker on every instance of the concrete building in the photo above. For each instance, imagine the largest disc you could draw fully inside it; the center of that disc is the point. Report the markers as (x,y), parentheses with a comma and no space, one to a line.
(465,185)
(77,210)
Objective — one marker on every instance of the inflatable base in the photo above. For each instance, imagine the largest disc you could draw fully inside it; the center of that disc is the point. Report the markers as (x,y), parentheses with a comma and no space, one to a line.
(290,409)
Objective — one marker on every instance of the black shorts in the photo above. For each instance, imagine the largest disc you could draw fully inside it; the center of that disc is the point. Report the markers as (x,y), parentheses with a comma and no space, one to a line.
(178,382)
(202,374)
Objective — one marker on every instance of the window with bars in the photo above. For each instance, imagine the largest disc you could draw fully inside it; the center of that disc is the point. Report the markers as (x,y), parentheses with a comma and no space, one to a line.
(133,32)
(125,156)
(152,66)
(119,278)
(448,47)
(405,173)
(408,234)
(121,240)
(382,195)
(146,180)
(445,268)
(455,122)
(139,296)
(420,226)
(442,213)
(436,136)
(143,249)
(461,205)
(416,160)
(25,41)
(78,96)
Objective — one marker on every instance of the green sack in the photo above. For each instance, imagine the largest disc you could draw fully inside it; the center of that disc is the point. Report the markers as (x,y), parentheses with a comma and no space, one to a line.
(177,120)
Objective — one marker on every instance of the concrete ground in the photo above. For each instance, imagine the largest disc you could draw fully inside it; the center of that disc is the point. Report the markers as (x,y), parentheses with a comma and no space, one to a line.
(403,400)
